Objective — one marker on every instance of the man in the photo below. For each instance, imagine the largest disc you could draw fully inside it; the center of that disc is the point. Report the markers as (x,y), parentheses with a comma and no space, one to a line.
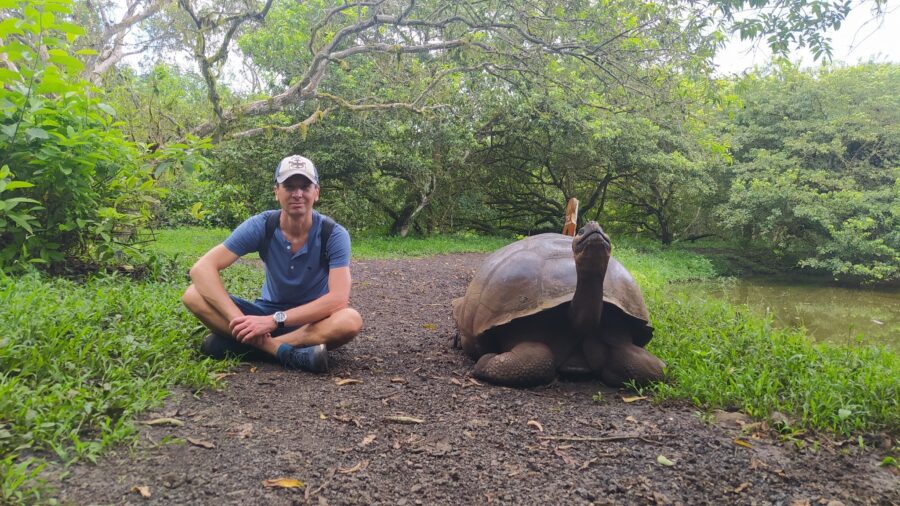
(304,305)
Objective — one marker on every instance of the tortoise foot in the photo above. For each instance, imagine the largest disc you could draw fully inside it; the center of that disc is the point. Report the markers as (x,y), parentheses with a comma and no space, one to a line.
(526,365)
(631,363)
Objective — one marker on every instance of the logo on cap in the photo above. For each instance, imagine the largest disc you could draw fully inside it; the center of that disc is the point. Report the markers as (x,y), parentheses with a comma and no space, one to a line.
(296,165)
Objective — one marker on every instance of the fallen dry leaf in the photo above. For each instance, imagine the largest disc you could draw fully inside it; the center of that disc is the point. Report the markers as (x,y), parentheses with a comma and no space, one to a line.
(222,375)
(322,416)
(244,431)
(174,422)
(757,464)
(588,463)
(630,419)
(201,443)
(358,467)
(741,442)
(403,419)
(430,326)
(347,381)
(367,440)
(456,382)
(253,369)
(400,380)
(283,483)
(662,460)
(536,424)
(565,456)
(143,490)
(634,398)
(740,488)
(474,382)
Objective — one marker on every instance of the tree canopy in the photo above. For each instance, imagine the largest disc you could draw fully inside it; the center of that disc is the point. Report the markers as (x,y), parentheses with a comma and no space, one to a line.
(430,115)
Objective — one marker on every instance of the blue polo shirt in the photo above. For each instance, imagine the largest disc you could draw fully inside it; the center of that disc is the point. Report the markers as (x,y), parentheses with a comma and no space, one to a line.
(292,279)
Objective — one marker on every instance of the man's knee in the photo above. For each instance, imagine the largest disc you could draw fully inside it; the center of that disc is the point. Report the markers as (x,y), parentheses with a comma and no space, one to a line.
(192,299)
(347,324)
(351,321)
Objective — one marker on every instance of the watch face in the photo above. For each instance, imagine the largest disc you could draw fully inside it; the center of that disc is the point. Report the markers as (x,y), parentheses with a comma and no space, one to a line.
(280,317)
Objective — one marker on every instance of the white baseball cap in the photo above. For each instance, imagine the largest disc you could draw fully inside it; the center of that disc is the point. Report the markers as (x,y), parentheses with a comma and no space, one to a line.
(296,164)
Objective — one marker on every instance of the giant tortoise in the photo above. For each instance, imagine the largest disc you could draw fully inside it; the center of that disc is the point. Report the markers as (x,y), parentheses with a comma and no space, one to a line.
(552,303)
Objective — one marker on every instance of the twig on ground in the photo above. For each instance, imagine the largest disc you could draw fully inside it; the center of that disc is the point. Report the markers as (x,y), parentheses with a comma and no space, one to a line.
(607,439)
(309,492)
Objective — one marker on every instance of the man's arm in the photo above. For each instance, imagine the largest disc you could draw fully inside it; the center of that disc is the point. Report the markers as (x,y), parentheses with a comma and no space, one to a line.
(207,280)
(337,298)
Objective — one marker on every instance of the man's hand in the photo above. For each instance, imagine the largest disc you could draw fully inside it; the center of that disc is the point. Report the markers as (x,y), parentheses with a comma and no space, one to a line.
(245,328)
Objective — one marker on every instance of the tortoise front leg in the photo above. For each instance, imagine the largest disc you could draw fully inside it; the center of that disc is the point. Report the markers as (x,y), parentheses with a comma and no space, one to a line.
(527,364)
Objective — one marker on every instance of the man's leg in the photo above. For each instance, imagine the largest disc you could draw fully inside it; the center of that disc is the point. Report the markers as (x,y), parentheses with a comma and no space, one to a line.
(213,319)
(337,330)
(305,347)
(221,344)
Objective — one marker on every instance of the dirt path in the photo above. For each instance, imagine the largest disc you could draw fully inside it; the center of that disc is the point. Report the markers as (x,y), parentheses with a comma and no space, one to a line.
(476,444)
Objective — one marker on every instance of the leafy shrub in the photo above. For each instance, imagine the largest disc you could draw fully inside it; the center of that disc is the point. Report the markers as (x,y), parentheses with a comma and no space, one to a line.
(71,185)
(192,201)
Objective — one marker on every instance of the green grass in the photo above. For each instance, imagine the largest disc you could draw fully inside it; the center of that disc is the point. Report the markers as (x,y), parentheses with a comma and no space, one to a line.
(78,363)
(189,243)
(720,356)
(652,265)
(396,247)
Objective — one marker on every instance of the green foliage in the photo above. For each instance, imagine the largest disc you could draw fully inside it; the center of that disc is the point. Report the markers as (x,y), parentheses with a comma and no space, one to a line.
(20,482)
(190,199)
(816,173)
(58,137)
(80,360)
(73,187)
(157,107)
(788,24)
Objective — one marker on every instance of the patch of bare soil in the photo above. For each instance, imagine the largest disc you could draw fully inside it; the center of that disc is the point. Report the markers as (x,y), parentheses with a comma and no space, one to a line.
(399,421)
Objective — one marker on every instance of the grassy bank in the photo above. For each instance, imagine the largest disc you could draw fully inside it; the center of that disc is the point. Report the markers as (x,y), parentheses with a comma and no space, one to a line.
(80,361)
(721,356)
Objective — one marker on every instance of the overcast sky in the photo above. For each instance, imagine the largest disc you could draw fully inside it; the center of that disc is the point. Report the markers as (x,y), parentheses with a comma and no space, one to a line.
(860,39)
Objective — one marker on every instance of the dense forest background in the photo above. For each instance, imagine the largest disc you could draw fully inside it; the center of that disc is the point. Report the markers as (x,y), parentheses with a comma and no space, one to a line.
(428,117)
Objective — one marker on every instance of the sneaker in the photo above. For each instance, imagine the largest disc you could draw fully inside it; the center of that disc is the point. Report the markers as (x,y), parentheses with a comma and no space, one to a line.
(309,358)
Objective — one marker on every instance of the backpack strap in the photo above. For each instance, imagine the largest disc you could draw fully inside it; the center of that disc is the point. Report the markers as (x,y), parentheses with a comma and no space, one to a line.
(272,221)
(325,234)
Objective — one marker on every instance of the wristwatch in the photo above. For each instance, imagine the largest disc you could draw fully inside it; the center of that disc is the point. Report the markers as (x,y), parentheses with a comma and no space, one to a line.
(279,318)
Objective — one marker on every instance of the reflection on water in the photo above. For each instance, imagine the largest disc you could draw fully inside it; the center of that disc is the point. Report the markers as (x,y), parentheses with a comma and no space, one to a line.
(829,313)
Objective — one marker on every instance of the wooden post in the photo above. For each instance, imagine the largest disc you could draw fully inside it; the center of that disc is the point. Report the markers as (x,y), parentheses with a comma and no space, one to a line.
(571,224)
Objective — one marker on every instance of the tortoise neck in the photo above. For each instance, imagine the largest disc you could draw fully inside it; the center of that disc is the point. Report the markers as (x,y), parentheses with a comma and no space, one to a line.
(586,307)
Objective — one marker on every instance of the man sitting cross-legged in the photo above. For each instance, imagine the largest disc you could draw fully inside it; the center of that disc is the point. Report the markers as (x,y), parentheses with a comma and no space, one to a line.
(304,308)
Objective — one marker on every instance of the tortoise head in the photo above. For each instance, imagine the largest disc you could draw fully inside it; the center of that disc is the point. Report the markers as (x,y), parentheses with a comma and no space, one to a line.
(591,247)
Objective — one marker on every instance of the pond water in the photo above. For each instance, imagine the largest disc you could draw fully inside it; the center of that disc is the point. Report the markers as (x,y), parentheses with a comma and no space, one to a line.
(829,313)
